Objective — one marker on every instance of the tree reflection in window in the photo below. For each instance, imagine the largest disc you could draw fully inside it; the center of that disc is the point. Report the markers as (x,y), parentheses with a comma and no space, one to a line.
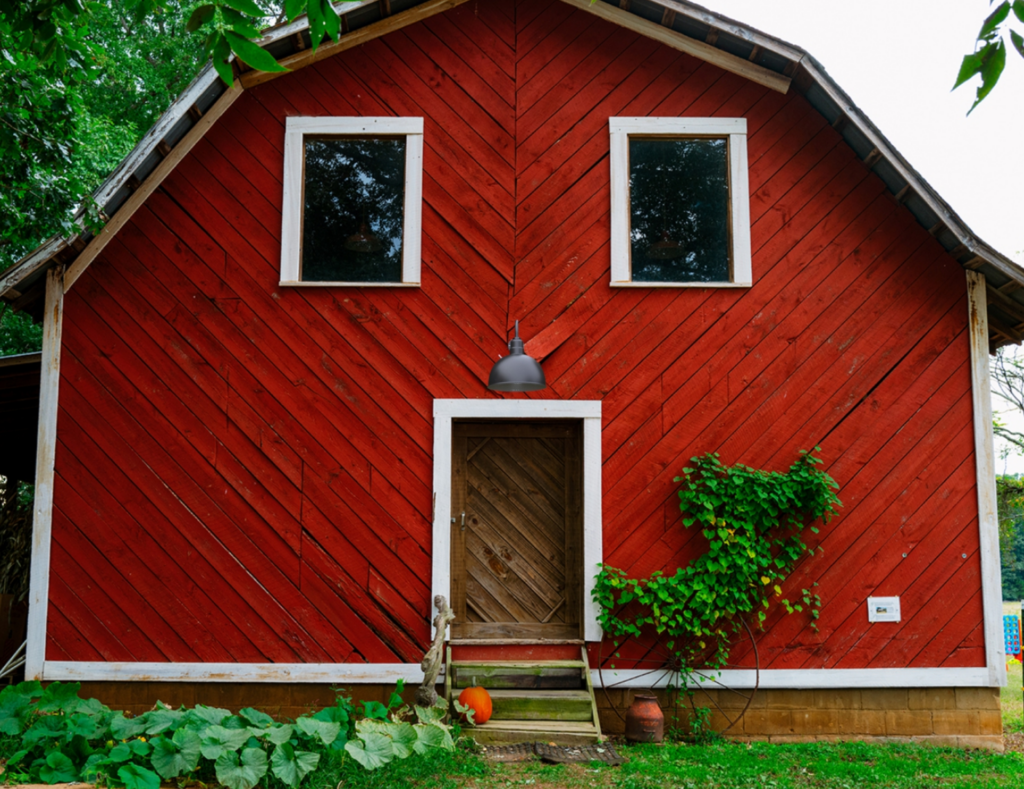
(679,209)
(353,201)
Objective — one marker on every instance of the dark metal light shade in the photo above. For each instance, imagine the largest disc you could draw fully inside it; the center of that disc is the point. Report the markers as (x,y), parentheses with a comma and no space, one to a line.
(516,372)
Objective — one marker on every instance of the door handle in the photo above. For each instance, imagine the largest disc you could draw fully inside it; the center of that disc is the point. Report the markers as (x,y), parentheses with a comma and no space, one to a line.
(463,521)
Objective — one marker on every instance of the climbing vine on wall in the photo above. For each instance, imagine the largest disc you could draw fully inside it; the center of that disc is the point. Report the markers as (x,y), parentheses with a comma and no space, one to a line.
(754,522)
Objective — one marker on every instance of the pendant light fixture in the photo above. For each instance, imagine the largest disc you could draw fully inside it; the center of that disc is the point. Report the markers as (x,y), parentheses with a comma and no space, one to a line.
(516,372)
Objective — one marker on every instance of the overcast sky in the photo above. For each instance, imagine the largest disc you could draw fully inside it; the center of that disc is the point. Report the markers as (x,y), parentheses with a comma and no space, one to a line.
(898,59)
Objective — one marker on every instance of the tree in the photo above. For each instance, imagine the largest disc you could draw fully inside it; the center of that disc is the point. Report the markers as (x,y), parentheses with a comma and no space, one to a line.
(1010,500)
(989,57)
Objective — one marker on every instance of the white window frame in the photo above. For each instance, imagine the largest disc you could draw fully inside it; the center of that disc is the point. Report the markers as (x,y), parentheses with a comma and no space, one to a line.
(621,129)
(296,129)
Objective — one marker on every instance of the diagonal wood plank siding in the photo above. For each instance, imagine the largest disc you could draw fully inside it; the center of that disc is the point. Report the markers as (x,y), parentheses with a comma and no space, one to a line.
(244,471)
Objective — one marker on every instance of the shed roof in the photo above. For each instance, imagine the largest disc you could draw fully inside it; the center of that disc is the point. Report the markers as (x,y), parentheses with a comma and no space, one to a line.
(683,25)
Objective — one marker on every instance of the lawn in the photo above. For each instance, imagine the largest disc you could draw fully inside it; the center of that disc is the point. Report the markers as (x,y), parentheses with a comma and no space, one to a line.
(717,766)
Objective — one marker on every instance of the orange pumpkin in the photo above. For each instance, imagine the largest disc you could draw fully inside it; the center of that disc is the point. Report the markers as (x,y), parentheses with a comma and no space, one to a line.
(478,700)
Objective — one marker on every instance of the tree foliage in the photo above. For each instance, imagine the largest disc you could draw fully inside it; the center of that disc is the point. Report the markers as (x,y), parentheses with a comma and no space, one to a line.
(989,57)
(1010,501)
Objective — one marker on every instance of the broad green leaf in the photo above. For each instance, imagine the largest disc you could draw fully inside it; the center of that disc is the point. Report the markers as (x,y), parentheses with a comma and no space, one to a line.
(160,720)
(317,23)
(256,718)
(211,715)
(90,770)
(1018,9)
(335,714)
(135,777)
(239,23)
(292,8)
(292,766)
(241,771)
(429,736)
(220,52)
(331,19)
(403,739)
(246,7)
(374,709)
(252,54)
(372,751)
(995,19)
(325,731)
(122,728)
(217,740)
(172,757)
(58,769)
(200,17)
(120,753)
(431,714)
(1018,42)
(995,61)
(49,727)
(60,697)
(282,732)
(82,725)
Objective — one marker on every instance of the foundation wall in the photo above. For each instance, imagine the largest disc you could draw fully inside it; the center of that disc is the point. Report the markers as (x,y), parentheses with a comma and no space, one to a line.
(953,717)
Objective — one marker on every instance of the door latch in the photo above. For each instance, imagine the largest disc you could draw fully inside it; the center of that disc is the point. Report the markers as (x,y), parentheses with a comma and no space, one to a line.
(463,521)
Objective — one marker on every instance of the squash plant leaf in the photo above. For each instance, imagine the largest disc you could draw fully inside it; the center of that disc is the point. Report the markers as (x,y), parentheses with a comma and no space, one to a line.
(279,733)
(292,766)
(371,750)
(135,777)
(256,718)
(122,728)
(217,740)
(58,769)
(180,754)
(325,731)
(160,720)
(430,736)
(213,715)
(60,697)
(241,771)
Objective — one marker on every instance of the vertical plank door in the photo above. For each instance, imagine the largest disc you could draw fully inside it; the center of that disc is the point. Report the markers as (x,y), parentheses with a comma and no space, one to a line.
(517,531)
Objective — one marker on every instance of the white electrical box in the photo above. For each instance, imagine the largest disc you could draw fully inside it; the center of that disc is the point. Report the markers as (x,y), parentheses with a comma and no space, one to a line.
(883,609)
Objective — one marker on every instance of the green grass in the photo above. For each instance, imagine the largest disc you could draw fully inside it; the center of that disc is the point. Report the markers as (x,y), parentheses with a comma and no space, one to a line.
(718,766)
(1011,695)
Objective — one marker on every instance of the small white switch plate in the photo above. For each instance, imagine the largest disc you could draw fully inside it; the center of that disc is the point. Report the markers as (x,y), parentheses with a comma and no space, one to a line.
(883,609)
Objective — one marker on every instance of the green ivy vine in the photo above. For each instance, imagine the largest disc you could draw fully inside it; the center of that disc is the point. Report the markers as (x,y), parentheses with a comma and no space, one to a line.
(753,521)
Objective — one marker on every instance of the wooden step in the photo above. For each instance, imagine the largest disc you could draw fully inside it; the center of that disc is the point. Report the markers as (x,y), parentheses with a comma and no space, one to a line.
(558,732)
(545,705)
(545,674)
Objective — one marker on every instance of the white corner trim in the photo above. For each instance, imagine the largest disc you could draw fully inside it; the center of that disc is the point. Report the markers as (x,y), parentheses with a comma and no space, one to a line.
(355,673)
(735,129)
(984,454)
(46,445)
(802,679)
(593,540)
(294,164)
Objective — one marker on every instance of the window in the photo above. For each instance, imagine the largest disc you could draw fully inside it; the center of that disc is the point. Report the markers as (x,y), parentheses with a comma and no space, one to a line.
(680,205)
(352,201)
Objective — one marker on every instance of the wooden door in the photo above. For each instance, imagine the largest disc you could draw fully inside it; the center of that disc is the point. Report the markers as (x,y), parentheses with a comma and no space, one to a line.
(517,530)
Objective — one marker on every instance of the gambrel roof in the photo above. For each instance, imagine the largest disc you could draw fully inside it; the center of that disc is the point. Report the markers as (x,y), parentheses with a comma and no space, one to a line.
(685,26)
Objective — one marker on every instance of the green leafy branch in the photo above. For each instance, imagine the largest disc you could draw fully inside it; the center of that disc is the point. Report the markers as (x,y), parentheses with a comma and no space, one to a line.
(753,522)
(989,57)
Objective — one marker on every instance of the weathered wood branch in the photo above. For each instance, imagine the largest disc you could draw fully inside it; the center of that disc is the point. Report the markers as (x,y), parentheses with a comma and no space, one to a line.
(426,694)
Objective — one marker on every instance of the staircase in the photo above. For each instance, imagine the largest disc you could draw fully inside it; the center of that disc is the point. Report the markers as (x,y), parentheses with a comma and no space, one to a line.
(545,700)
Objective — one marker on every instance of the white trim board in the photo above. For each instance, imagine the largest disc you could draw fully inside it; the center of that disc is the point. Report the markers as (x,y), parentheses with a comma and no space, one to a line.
(735,130)
(296,128)
(352,673)
(42,513)
(387,673)
(593,539)
(985,465)
(801,679)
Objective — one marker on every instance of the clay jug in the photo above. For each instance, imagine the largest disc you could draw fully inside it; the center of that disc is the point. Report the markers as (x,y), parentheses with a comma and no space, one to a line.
(645,721)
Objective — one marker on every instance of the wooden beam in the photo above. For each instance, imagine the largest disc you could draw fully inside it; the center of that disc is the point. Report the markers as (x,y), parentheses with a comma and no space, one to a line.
(690,46)
(1010,287)
(354,39)
(384,6)
(46,449)
(668,17)
(300,41)
(712,38)
(872,158)
(975,262)
(1005,304)
(935,229)
(163,148)
(978,319)
(755,53)
(195,113)
(161,171)
(1005,330)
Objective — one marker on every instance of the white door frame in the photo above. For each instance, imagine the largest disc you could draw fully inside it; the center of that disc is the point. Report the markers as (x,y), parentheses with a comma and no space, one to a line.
(589,411)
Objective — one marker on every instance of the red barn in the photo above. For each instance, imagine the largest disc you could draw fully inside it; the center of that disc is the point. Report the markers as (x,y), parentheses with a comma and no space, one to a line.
(267,438)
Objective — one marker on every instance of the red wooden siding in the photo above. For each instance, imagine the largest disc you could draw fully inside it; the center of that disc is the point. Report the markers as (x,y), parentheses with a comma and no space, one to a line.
(244,471)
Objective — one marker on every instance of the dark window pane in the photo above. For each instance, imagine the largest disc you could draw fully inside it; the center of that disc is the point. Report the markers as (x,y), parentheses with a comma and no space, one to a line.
(353,206)
(679,209)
